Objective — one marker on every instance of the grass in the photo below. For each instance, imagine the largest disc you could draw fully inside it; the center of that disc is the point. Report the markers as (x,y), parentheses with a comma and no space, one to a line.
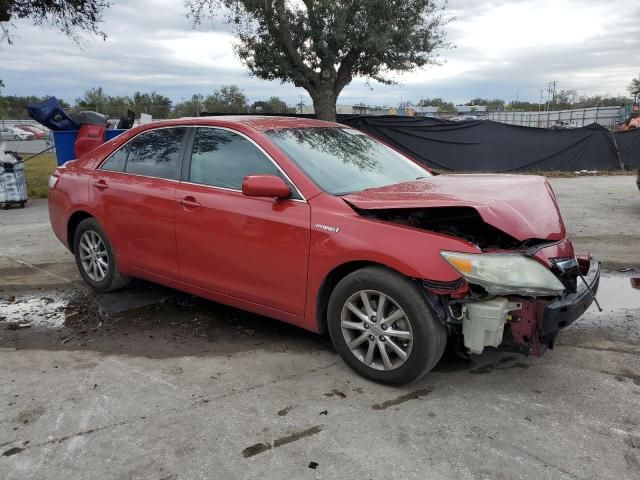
(37,171)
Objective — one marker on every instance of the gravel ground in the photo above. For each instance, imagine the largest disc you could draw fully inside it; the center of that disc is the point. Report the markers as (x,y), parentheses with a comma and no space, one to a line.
(154,384)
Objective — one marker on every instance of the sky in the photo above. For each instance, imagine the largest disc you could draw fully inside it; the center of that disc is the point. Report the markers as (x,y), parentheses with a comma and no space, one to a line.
(503,49)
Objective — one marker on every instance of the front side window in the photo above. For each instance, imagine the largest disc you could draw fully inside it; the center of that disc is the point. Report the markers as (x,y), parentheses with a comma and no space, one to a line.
(156,153)
(222,158)
(342,160)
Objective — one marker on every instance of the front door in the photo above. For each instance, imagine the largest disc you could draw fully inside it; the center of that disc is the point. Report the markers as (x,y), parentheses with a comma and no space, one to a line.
(254,249)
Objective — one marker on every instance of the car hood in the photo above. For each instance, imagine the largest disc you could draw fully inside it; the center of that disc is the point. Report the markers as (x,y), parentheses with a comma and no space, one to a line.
(522,206)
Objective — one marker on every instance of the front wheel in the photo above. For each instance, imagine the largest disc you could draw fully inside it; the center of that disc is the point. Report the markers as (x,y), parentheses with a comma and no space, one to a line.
(95,257)
(382,327)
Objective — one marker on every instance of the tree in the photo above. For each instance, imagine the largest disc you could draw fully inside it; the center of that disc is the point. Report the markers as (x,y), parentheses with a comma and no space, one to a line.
(432,102)
(495,105)
(189,108)
(71,17)
(152,103)
(634,86)
(565,99)
(94,99)
(229,99)
(321,45)
(273,105)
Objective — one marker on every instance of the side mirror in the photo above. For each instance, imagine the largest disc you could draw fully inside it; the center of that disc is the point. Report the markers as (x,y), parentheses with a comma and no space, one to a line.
(265,186)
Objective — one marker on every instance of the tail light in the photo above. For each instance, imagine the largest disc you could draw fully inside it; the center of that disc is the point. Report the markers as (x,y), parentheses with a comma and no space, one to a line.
(55,176)
(53,179)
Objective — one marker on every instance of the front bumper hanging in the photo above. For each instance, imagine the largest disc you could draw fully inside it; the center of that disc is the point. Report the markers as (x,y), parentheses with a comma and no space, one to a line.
(539,321)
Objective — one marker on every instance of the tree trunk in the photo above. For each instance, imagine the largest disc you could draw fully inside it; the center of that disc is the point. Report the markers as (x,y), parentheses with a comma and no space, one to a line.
(324,104)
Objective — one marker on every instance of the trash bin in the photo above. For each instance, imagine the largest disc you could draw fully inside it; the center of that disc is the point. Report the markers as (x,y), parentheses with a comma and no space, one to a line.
(13,184)
(89,137)
(50,114)
(65,143)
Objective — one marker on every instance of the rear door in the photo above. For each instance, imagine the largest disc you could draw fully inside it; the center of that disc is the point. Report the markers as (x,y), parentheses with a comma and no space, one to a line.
(134,193)
(255,249)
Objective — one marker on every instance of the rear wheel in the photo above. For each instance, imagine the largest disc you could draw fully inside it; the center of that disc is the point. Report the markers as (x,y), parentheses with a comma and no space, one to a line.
(381,325)
(95,257)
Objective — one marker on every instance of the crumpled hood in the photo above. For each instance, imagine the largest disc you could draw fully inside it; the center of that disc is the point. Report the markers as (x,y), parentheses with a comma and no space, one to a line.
(522,206)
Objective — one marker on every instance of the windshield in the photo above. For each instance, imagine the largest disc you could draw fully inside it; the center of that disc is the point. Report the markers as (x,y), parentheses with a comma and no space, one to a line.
(342,160)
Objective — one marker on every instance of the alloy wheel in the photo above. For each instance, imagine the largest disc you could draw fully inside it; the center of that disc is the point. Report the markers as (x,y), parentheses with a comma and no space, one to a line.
(94,256)
(376,330)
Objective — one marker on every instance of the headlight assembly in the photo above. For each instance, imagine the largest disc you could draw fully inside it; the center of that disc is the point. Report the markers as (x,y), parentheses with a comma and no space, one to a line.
(504,274)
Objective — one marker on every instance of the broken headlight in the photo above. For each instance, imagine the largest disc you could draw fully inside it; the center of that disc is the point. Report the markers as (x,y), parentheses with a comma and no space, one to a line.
(504,274)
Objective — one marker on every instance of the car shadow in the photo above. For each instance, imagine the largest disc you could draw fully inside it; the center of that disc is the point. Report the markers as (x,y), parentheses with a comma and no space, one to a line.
(144,320)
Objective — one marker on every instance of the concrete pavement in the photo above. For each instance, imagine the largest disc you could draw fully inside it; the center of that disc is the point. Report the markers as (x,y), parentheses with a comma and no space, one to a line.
(187,389)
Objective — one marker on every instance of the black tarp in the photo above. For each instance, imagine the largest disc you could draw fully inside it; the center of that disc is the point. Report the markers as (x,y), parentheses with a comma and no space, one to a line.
(483,145)
(629,146)
(487,146)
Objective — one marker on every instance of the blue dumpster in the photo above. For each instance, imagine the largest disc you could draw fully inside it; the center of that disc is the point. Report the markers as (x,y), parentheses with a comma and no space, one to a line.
(65,140)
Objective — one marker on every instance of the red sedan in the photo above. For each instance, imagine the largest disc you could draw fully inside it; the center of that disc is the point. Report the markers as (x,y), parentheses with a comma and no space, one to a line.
(324,227)
(38,133)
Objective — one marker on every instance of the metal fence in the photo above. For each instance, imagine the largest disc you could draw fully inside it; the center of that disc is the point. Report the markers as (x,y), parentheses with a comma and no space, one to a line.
(605,116)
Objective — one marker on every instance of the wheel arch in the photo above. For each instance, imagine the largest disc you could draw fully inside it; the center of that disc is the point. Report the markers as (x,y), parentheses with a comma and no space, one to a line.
(72,225)
(331,280)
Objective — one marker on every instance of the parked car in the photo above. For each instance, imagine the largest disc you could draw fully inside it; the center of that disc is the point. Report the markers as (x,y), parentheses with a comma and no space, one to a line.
(324,227)
(8,133)
(38,133)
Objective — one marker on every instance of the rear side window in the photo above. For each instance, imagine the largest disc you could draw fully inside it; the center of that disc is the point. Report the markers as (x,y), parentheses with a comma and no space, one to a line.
(222,159)
(156,153)
(117,160)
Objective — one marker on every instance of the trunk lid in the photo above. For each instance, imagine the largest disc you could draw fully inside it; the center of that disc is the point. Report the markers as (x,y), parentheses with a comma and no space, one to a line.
(522,206)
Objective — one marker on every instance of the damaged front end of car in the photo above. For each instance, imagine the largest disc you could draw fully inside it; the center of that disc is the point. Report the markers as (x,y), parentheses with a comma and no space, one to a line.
(515,295)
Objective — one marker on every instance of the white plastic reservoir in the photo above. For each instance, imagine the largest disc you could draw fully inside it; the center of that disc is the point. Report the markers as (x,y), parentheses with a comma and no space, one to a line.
(483,323)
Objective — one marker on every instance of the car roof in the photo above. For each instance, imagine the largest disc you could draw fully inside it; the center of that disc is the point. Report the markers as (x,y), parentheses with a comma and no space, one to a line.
(257,122)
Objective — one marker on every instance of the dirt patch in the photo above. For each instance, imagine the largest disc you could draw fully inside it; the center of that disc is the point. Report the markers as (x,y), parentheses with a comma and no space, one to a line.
(73,318)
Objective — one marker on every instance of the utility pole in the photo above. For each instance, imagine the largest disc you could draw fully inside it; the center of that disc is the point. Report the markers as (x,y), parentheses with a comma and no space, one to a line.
(540,102)
(551,93)
(301,104)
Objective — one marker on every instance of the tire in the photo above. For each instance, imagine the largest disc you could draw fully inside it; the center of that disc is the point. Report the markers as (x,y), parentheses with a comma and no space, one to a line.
(92,265)
(423,338)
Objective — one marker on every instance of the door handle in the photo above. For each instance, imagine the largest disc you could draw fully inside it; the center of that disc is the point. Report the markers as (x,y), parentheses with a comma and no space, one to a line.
(100,184)
(188,202)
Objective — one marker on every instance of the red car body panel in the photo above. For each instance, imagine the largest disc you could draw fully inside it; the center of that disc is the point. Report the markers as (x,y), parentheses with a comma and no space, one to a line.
(250,247)
(272,257)
(519,205)
(138,213)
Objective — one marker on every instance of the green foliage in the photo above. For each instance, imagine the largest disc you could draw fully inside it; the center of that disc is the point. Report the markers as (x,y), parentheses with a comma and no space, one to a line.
(273,105)
(495,105)
(321,45)
(71,17)
(189,108)
(95,99)
(228,99)
(447,108)
(431,102)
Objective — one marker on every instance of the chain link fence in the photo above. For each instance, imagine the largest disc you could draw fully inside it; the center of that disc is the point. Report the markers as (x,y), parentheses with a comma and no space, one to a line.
(605,116)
